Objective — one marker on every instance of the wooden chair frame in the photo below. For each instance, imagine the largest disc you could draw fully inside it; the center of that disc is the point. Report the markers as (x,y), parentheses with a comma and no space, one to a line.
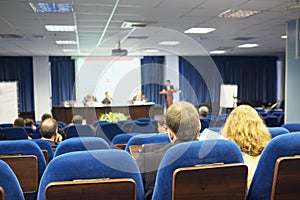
(92,189)
(216,181)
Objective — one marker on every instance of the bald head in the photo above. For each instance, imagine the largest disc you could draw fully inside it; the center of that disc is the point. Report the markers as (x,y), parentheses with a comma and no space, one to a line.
(48,128)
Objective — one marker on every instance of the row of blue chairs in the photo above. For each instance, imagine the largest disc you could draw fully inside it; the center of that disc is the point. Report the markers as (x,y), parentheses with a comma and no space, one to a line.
(97,164)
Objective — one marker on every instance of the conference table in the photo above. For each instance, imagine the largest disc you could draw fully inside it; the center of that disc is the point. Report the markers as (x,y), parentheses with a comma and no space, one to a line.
(90,114)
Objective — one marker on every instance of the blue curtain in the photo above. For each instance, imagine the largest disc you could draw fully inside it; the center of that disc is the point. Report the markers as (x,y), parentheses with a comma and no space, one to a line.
(200,77)
(62,79)
(152,69)
(19,69)
(256,76)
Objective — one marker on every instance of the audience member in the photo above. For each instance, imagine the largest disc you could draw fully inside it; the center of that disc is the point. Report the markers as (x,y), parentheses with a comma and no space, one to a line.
(89,99)
(161,125)
(19,122)
(107,100)
(139,97)
(29,122)
(46,116)
(246,128)
(203,112)
(49,131)
(182,120)
(77,119)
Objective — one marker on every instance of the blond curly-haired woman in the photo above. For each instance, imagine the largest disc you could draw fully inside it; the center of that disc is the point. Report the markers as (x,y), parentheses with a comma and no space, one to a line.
(246,128)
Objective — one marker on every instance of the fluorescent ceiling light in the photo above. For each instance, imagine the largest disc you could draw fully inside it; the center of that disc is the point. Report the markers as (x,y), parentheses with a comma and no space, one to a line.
(248,45)
(283,36)
(199,30)
(151,50)
(69,50)
(51,7)
(217,52)
(170,43)
(66,42)
(238,13)
(70,28)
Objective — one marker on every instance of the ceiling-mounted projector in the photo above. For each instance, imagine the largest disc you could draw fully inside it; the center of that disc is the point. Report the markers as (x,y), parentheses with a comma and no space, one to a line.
(119,51)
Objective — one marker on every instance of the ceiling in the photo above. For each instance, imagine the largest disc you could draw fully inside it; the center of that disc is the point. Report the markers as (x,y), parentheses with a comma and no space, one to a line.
(99,29)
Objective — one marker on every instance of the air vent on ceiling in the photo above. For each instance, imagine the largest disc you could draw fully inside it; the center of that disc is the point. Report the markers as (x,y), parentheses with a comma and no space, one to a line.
(133,24)
(137,37)
(243,38)
(10,36)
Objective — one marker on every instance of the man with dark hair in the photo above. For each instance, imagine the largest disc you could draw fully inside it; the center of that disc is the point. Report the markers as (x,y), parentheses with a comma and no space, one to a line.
(19,122)
(49,131)
(182,120)
(46,116)
(107,100)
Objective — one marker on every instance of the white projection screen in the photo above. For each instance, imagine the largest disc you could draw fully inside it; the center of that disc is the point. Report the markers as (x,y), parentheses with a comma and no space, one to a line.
(228,96)
(120,76)
(8,102)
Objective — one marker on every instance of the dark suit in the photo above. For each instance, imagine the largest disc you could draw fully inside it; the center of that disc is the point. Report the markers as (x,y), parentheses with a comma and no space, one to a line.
(148,163)
(106,101)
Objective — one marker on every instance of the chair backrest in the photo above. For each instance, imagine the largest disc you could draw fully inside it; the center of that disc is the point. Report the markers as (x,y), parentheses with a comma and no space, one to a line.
(141,139)
(286,178)
(280,146)
(144,119)
(92,189)
(275,131)
(127,125)
(189,154)
(80,130)
(24,147)
(14,133)
(45,145)
(108,131)
(219,181)
(26,169)
(9,183)
(97,164)
(80,144)
(6,125)
(37,134)
(120,139)
(292,127)
(271,121)
(204,123)
(142,127)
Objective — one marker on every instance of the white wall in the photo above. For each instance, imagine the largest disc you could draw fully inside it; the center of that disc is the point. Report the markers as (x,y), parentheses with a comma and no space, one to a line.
(172,73)
(42,86)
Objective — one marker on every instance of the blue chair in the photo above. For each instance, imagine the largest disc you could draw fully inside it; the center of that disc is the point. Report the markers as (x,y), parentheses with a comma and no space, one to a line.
(142,127)
(10,183)
(141,139)
(37,134)
(45,145)
(204,123)
(6,125)
(61,124)
(25,147)
(190,154)
(271,121)
(275,131)
(80,144)
(145,119)
(292,127)
(121,139)
(29,130)
(280,146)
(127,125)
(14,133)
(108,131)
(80,130)
(220,120)
(95,164)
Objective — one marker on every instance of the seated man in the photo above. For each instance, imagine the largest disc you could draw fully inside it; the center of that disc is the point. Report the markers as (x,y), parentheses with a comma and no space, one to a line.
(139,97)
(49,131)
(89,99)
(182,120)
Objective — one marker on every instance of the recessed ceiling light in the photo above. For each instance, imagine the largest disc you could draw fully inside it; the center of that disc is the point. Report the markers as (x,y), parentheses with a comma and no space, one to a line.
(170,43)
(199,30)
(238,13)
(66,42)
(151,50)
(283,36)
(60,28)
(248,45)
(217,52)
(69,50)
(51,7)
